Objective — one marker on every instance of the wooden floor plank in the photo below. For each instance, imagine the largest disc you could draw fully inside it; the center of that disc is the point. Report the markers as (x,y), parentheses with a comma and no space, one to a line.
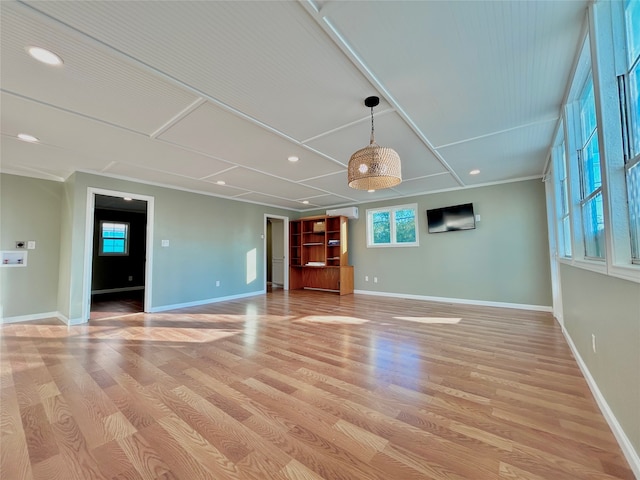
(114,463)
(53,468)
(15,461)
(39,435)
(301,385)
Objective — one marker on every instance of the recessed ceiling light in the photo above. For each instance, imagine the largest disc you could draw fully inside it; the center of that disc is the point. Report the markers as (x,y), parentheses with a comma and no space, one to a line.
(221,182)
(293,159)
(128,199)
(306,202)
(44,56)
(25,137)
(371,191)
(474,172)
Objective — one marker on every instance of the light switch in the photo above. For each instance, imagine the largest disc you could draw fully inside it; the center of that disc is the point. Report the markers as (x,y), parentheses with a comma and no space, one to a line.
(31,245)
(165,243)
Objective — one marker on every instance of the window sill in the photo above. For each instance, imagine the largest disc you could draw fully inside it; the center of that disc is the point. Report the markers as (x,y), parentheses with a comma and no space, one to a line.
(393,245)
(626,272)
(593,266)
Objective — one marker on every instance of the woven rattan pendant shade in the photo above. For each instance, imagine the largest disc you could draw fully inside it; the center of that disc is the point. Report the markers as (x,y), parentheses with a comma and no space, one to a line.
(374,167)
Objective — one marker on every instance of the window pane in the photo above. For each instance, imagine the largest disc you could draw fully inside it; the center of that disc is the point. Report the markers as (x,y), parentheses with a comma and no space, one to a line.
(632,21)
(564,197)
(114,230)
(591,179)
(381,227)
(113,246)
(113,234)
(593,227)
(405,226)
(566,234)
(634,108)
(587,111)
(633,188)
(562,200)
(560,163)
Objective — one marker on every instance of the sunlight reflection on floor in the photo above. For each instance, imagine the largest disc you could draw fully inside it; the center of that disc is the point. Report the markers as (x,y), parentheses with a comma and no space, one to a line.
(332,319)
(430,320)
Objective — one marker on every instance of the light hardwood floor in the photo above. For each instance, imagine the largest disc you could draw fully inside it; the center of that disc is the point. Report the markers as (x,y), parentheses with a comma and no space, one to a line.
(301,385)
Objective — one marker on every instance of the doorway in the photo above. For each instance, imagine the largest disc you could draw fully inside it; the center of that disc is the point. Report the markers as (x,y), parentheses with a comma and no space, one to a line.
(276,246)
(119,255)
(118,246)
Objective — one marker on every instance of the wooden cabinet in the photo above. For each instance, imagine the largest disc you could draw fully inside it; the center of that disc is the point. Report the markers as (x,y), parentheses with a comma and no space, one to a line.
(318,254)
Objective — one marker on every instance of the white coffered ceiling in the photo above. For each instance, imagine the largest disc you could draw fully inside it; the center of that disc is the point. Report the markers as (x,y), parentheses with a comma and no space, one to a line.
(186,94)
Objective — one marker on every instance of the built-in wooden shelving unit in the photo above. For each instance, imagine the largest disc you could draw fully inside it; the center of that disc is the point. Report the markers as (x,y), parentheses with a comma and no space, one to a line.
(318,254)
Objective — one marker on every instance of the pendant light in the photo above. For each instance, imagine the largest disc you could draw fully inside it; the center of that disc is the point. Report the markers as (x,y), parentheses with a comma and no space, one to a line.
(374,167)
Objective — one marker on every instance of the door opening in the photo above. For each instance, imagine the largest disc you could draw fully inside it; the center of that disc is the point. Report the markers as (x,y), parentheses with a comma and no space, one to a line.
(276,244)
(119,256)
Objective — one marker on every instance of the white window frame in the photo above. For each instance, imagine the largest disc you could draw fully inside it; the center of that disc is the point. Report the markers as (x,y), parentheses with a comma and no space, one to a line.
(101,251)
(603,56)
(562,200)
(588,196)
(393,241)
(574,141)
(609,59)
(630,120)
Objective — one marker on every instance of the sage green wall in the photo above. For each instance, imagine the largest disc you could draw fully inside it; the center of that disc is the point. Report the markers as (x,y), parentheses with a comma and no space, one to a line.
(505,259)
(608,307)
(210,239)
(30,210)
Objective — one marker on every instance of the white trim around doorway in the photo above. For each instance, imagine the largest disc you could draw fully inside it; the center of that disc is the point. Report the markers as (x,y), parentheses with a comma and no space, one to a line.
(286,248)
(88,246)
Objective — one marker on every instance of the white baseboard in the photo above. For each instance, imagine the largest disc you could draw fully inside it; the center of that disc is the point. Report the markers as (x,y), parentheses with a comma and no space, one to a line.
(463,301)
(625,444)
(71,321)
(35,316)
(164,308)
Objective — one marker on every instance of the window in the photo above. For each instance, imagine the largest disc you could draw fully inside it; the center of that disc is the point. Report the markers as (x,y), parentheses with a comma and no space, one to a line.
(114,238)
(629,85)
(590,177)
(562,201)
(392,226)
(595,159)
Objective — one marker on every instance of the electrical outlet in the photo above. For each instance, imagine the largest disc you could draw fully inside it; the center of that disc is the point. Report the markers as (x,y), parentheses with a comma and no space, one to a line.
(375,279)
(21,244)
(217,283)
(366,278)
(131,278)
(593,342)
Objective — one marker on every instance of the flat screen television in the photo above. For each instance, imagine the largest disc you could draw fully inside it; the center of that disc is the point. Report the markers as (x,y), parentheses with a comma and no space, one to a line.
(447,219)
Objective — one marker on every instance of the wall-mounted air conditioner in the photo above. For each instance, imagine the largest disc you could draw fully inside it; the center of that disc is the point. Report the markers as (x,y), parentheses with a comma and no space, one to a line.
(349,212)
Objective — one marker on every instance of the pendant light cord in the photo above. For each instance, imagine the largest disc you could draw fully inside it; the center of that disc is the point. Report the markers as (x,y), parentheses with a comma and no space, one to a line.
(371,140)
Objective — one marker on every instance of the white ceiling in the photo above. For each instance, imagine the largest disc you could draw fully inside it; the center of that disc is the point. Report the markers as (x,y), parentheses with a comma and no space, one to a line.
(185,94)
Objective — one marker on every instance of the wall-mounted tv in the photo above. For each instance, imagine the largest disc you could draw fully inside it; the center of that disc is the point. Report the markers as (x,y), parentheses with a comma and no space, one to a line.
(447,219)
